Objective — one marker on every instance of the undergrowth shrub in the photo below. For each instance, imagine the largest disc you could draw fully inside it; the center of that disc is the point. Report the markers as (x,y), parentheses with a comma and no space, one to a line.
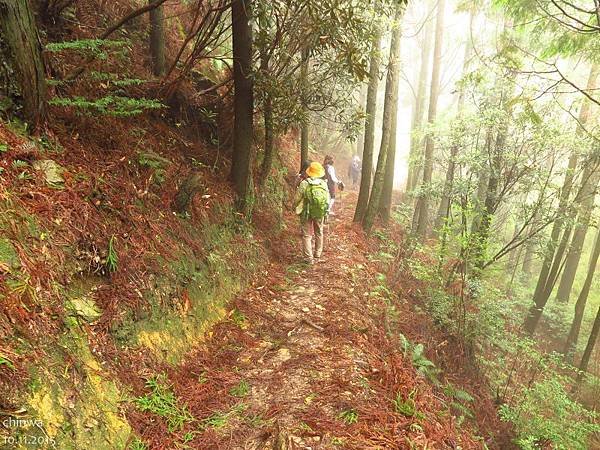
(532,386)
(545,415)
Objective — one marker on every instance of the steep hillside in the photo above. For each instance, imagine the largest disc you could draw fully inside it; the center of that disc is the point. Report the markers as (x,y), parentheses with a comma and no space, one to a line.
(99,273)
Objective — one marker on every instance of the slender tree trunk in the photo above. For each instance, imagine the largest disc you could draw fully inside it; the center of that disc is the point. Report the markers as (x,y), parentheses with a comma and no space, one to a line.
(269,154)
(491,199)
(551,249)
(422,206)
(416,142)
(574,256)
(479,200)
(563,294)
(589,348)
(19,32)
(360,139)
(573,336)
(445,203)
(243,104)
(444,208)
(370,119)
(157,40)
(385,208)
(528,261)
(582,201)
(389,110)
(553,255)
(305,123)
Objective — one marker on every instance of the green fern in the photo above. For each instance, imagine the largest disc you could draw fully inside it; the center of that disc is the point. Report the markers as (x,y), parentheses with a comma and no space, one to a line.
(116,106)
(112,258)
(350,416)
(406,407)
(91,47)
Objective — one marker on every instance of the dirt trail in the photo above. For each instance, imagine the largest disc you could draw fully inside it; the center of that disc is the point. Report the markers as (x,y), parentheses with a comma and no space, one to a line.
(304,363)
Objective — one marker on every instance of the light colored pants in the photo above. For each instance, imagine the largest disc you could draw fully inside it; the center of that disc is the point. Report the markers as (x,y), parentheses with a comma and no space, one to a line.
(312,227)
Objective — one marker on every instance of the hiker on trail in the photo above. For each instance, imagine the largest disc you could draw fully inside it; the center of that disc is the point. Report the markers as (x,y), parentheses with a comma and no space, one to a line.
(301,176)
(333,183)
(312,203)
(354,170)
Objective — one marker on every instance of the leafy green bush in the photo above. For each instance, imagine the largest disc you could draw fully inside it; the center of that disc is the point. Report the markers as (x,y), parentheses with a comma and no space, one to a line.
(545,415)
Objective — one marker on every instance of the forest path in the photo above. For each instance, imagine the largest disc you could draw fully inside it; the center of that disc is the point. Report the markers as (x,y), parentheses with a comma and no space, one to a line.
(304,362)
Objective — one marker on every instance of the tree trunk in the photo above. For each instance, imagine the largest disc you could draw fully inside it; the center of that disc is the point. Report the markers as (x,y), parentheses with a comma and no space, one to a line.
(416,142)
(421,212)
(360,139)
(305,122)
(551,246)
(157,40)
(446,201)
(243,103)
(269,155)
(444,208)
(553,255)
(528,261)
(18,29)
(589,348)
(573,336)
(583,198)
(385,207)
(479,199)
(574,256)
(491,199)
(389,110)
(369,139)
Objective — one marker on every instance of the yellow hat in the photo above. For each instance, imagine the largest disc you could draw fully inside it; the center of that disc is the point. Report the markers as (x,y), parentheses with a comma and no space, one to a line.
(315,170)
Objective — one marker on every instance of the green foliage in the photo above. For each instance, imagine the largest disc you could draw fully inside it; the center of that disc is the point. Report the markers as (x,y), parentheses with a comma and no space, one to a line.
(112,258)
(545,415)
(113,79)
(418,359)
(460,400)
(349,416)
(157,163)
(5,361)
(242,389)
(137,444)
(22,288)
(406,407)
(239,318)
(221,419)
(162,401)
(423,365)
(116,106)
(98,48)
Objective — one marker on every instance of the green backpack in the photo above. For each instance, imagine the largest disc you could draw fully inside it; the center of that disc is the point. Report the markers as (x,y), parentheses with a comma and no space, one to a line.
(316,203)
